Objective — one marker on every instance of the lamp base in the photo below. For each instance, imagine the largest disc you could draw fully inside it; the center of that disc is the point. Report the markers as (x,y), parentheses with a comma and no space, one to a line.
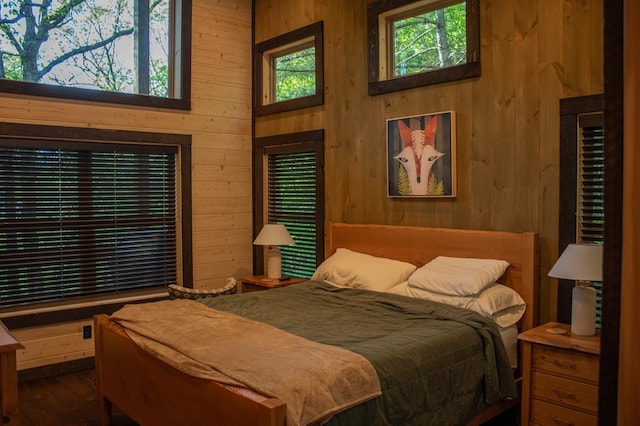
(274,263)
(583,310)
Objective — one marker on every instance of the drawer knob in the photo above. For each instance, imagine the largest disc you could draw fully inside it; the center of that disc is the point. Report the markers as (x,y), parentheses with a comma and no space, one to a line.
(561,421)
(564,364)
(564,394)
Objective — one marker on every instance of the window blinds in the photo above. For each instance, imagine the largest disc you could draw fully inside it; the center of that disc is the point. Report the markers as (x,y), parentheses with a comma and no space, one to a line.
(591,182)
(81,219)
(590,203)
(291,196)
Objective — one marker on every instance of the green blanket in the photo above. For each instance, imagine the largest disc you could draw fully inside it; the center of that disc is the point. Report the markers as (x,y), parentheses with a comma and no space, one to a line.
(437,364)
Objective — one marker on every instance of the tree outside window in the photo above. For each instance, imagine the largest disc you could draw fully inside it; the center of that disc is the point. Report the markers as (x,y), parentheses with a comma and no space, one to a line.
(120,46)
(419,43)
(430,40)
(288,71)
(295,74)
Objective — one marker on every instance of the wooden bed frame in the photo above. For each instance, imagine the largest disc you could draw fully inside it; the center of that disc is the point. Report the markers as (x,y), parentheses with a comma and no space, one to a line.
(150,391)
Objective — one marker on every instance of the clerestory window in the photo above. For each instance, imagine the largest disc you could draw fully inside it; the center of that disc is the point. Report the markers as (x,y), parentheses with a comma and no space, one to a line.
(288,71)
(417,43)
(120,51)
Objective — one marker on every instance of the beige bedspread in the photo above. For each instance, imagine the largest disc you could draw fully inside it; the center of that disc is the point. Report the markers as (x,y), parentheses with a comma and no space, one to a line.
(316,381)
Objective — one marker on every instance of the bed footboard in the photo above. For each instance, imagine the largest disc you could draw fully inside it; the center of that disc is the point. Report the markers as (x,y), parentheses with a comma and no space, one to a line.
(150,391)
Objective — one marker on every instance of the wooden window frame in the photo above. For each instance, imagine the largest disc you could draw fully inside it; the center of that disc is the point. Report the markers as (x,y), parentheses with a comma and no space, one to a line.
(570,110)
(376,47)
(312,140)
(262,72)
(72,311)
(179,61)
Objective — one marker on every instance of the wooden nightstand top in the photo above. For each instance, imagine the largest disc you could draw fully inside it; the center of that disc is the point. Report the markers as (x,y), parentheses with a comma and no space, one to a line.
(540,335)
(264,281)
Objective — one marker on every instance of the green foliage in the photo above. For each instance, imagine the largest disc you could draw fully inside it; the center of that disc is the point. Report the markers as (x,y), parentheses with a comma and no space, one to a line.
(295,75)
(12,68)
(82,43)
(159,79)
(431,40)
(436,187)
(404,188)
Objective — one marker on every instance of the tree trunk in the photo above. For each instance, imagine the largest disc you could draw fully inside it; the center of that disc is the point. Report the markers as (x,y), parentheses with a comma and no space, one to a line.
(441,35)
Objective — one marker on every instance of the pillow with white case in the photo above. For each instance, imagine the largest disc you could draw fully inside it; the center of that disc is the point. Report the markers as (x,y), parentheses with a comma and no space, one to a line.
(457,276)
(358,270)
(497,301)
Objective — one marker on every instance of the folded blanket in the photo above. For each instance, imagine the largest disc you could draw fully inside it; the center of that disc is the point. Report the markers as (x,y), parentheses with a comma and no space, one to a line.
(315,380)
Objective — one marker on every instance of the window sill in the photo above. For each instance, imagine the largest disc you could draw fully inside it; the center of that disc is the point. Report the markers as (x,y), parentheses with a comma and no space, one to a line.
(64,311)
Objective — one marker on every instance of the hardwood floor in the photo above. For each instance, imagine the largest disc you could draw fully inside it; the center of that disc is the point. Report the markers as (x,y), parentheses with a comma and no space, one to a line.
(65,400)
(70,400)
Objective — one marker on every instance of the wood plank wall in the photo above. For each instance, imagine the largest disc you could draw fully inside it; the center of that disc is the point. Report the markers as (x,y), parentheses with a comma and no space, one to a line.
(629,369)
(220,122)
(533,53)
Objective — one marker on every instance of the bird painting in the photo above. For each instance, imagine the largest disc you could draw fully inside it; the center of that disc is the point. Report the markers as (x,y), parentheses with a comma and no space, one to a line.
(417,157)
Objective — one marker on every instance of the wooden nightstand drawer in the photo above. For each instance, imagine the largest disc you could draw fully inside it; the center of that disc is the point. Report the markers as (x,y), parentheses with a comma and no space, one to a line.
(555,415)
(570,363)
(559,377)
(575,394)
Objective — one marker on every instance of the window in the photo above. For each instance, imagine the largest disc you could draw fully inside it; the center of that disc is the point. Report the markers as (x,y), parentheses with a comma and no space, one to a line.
(288,71)
(294,73)
(122,51)
(89,218)
(581,185)
(290,174)
(417,43)
(590,178)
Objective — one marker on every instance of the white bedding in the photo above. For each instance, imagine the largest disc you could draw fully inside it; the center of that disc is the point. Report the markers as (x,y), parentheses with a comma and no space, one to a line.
(510,339)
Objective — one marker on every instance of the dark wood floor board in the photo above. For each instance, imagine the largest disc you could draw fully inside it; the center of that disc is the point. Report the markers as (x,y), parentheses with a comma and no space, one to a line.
(65,400)
(70,400)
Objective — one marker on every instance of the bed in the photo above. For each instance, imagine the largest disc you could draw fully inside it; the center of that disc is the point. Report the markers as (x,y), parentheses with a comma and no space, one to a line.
(150,391)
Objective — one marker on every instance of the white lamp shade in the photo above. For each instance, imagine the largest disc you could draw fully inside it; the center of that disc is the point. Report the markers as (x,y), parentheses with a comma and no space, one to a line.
(273,234)
(581,262)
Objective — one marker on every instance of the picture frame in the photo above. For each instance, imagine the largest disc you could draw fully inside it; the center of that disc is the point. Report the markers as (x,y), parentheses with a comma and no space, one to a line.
(421,156)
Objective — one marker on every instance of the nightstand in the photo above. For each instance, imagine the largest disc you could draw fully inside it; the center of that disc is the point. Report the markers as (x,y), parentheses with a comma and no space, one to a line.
(249,283)
(8,377)
(559,377)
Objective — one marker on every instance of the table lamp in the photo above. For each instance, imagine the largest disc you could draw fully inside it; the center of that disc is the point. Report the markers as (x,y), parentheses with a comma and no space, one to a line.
(582,263)
(272,235)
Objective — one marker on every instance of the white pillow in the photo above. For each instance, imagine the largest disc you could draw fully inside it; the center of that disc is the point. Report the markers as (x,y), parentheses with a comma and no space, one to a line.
(358,270)
(457,276)
(499,302)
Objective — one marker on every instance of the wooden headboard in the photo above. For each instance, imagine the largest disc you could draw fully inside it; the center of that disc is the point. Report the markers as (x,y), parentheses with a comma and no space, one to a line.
(419,245)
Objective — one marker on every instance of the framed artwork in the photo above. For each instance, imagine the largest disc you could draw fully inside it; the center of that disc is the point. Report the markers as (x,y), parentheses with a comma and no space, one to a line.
(421,156)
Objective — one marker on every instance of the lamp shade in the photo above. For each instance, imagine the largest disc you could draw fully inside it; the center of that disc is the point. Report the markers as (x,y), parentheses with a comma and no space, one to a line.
(273,234)
(581,262)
